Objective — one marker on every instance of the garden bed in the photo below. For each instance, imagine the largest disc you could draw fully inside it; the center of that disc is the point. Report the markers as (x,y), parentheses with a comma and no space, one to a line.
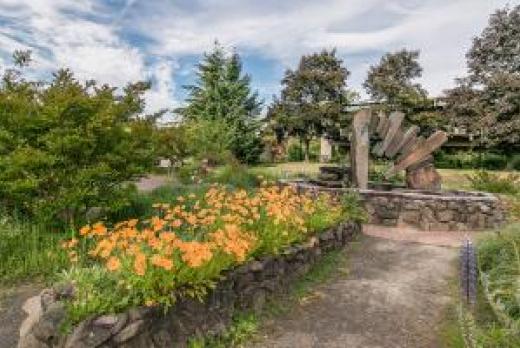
(245,287)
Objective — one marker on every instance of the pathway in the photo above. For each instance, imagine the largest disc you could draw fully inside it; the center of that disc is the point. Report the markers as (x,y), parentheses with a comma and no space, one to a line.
(394,296)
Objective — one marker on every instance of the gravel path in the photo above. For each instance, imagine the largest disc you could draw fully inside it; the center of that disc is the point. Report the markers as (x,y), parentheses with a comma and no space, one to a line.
(394,296)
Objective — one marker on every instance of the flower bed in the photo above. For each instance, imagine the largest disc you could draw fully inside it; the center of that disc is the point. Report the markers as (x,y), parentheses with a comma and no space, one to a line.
(184,254)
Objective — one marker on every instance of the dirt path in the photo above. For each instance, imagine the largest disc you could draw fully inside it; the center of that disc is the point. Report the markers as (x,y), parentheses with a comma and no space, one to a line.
(394,296)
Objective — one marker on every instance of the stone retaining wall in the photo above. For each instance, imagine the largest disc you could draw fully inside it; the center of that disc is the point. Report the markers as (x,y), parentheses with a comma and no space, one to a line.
(243,288)
(427,210)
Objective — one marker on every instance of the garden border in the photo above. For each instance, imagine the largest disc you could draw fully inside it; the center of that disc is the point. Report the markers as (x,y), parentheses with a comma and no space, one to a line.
(246,287)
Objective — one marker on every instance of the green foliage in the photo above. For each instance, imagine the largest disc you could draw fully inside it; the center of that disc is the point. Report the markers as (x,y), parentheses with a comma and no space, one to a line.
(499,262)
(495,183)
(471,160)
(210,139)
(28,250)
(352,208)
(235,175)
(487,101)
(391,81)
(172,143)
(223,94)
(67,147)
(312,99)
(242,328)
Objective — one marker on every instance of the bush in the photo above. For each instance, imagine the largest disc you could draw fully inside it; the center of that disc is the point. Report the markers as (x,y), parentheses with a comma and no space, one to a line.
(235,175)
(67,147)
(294,152)
(495,183)
(185,246)
(471,160)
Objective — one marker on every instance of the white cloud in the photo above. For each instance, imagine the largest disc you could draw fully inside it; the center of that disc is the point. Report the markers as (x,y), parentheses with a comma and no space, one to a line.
(92,36)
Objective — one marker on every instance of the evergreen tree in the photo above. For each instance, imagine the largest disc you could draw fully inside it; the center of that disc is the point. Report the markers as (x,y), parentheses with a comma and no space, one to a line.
(223,93)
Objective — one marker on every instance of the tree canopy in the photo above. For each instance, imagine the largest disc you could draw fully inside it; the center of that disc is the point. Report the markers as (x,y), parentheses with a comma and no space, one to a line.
(313,98)
(487,100)
(392,80)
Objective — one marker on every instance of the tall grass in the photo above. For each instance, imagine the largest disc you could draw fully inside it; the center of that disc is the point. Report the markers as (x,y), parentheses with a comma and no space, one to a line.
(28,250)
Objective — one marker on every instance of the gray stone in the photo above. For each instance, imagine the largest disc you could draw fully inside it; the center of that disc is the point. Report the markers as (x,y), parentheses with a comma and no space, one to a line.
(423,178)
(29,341)
(47,328)
(407,137)
(445,215)
(359,148)
(129,332)
(421,152)
(394,123)
(34,311)
(87,335)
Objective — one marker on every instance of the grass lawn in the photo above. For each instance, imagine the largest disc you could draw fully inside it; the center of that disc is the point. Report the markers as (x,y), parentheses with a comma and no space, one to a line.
(452,179)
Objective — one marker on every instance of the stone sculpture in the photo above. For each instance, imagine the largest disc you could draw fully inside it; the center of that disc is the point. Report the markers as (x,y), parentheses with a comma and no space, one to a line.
(410,152)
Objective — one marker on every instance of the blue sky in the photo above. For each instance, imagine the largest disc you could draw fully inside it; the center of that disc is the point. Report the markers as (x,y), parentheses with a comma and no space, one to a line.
(117,41)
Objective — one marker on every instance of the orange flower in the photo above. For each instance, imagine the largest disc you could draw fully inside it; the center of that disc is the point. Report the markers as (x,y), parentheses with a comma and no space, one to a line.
(113,264)
(162,262)
(84,230)
(99,229)
(140,264)
(195,254)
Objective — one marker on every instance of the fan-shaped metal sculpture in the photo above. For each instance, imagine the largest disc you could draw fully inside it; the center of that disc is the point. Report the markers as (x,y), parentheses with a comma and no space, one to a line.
(408,151)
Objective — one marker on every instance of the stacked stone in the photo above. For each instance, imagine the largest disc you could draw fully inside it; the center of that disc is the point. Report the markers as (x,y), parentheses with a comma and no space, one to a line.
(243,288)
(430,212)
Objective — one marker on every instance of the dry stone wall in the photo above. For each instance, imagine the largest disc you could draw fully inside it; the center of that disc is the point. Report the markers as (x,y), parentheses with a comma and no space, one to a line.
(243,288)
(426,210)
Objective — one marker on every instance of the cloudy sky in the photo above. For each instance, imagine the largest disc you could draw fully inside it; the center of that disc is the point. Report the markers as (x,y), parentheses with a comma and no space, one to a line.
(117,41)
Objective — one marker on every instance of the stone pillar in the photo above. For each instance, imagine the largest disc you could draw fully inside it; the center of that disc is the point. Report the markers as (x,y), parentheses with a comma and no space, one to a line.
(325,150)
(359,146)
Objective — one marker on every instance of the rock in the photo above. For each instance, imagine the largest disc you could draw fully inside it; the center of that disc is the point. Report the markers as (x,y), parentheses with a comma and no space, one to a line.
(47,328)
(29,341)
(445,215)
(421,152)
(424,178)
(256,266)
(359,148)
(106,321)
(34,311)
(87,335)
(397,147)
(129,332)
(394,125)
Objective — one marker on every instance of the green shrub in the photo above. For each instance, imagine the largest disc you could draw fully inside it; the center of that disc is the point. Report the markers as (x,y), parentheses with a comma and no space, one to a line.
(471,160)
(294,152)
(66,147)
(495,183)
(235,175)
